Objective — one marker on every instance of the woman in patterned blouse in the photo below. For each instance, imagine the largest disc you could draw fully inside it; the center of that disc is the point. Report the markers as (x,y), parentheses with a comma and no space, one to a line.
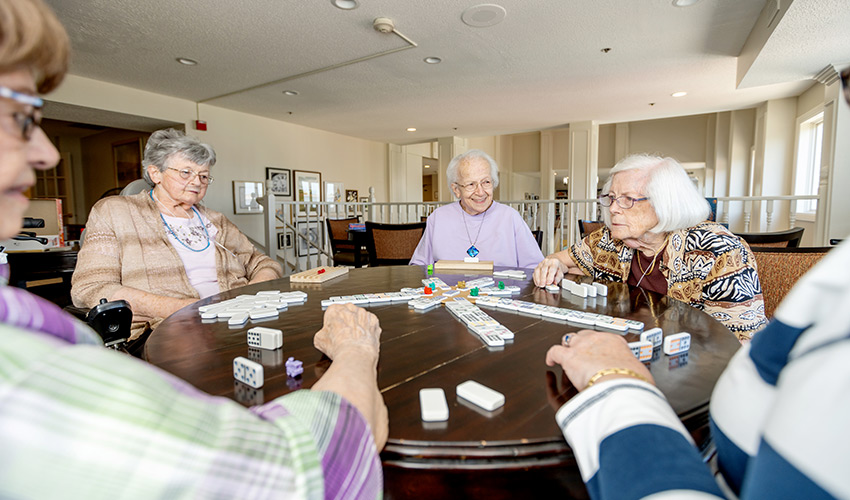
(656,237)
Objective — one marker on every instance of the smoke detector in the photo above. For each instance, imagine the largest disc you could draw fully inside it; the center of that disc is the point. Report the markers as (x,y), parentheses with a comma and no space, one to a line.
(383,24)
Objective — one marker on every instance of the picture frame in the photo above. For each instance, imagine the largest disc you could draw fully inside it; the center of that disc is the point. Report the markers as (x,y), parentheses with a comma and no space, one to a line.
(364,199)
(284,240)
(307,230)
(334,193)
(127,161)
(281,180)
(351,196)
(307,187)
(245,194)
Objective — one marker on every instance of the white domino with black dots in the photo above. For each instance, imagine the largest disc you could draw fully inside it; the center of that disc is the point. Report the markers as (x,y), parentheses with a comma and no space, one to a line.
(265,338)
(248,372)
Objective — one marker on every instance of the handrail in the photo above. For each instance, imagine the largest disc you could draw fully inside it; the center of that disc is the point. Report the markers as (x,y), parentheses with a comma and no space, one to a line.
(310,243)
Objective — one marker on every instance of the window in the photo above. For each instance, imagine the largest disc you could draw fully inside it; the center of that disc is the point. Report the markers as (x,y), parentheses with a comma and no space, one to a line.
(807,174)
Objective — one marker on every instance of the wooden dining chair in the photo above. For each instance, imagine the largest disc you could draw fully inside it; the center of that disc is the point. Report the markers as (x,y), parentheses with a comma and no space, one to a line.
(344,251)
(789,238)
(586,227)
(780,268)
(392,244)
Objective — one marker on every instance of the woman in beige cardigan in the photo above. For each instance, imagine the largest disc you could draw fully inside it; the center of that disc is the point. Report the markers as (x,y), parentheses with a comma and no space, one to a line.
(157,250)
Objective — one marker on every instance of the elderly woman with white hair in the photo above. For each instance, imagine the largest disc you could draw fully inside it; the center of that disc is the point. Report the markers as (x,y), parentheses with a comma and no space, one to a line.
(157,250)
(476,226)
(656,237)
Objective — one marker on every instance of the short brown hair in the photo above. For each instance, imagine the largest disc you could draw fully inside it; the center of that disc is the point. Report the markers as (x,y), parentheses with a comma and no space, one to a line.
(32,37)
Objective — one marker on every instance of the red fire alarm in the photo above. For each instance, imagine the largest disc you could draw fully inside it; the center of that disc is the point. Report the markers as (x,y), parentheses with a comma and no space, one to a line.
(200,125)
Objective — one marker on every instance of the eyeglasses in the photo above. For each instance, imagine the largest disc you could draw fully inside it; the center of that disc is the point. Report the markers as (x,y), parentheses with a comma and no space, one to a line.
(187,174)
(27,122)
(470,187)
(606,200)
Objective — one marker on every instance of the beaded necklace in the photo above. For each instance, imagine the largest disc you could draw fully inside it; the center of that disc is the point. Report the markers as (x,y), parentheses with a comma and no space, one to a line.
(170,230)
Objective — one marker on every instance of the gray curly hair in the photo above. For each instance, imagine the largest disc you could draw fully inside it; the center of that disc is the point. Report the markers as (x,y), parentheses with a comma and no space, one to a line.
(165,144)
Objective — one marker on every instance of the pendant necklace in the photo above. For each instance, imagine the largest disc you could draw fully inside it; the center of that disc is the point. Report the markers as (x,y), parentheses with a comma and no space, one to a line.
(472,251)
(652,265)
(171,231)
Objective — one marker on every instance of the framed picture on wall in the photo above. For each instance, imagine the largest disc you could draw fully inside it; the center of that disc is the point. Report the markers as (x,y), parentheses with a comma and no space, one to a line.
(281,180)
(307,231)
(284,240)
(307,187)
(351,195)
(245,194)
(334,192)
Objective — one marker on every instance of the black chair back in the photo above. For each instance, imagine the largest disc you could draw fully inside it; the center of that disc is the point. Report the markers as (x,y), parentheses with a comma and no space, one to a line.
(392,244)
(586,227)
(344,250)
(789,238)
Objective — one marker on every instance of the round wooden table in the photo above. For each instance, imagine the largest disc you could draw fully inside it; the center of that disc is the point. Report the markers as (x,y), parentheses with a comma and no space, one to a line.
(515,450)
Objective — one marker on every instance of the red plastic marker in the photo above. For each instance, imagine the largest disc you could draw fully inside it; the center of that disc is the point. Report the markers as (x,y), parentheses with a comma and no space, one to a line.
(427,290)
(320,271)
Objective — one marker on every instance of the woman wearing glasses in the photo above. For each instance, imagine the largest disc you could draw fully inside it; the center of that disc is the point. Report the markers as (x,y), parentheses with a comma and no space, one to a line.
(157,250)
(476,226)
(656,237)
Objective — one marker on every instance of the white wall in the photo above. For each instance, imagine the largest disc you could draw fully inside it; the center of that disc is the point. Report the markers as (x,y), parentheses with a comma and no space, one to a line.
(245,144)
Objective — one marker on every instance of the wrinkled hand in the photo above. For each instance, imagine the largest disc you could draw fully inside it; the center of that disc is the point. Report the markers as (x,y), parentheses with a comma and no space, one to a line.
(347,326)
(549,271)
(590,351)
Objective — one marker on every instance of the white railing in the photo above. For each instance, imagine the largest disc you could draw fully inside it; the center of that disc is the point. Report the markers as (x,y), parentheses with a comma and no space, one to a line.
(296,232)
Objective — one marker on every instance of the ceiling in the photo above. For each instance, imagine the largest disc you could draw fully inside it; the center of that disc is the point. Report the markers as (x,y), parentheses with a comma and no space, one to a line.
(543,66)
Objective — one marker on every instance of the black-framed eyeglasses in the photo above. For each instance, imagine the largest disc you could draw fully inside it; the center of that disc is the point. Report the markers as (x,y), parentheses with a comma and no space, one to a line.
(27,122)
(187,174)
(625,202)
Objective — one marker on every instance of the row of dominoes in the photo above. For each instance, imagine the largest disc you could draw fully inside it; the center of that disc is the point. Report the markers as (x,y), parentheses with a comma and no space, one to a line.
(482,324)
(373,298)
(560,313)
(517,274)
(584,289)
(652,338)
(265,304)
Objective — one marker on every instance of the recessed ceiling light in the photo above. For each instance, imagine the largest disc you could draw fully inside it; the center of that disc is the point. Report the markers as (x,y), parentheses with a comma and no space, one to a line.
(187,61)
(345,4)
(290,92)
(484,15)
(433,60)
(606,50)
(679,94)
(427,166)
(684,3)
(411,129)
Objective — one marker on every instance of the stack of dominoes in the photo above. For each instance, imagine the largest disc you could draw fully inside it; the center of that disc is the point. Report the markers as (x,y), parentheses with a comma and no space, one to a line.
(584,289)
(516,274)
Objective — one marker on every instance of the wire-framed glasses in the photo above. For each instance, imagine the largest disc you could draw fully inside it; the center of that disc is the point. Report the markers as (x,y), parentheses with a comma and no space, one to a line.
(187,174)
(470,187)
(625,202)
(28,121)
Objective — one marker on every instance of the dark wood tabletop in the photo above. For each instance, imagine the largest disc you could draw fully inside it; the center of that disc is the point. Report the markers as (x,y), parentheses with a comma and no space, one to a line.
(515,450)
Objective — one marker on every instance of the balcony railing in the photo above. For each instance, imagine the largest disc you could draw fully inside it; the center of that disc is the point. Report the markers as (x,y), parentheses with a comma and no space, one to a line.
(296,232)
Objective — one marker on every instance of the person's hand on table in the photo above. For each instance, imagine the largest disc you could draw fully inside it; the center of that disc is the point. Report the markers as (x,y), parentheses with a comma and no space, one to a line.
(549,271)
(347,326)
(351,338)
(585,353)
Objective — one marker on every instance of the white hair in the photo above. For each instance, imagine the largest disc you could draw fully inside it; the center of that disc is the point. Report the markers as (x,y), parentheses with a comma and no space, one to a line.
(677,203)
(454,166)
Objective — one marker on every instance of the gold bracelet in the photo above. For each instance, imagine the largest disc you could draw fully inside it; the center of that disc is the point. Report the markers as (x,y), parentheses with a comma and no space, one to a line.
(614,371)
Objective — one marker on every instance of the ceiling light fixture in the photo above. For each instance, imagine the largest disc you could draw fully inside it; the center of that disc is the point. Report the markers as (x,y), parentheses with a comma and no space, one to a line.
(484,15)
(290,92)
(427,166)
(411,129)
(606,50)
(684,3)
(433,60)
(679,94)
(187,61)
(345,4)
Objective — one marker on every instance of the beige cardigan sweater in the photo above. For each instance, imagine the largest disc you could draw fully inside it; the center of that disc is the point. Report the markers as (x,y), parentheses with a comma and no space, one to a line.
(126,246)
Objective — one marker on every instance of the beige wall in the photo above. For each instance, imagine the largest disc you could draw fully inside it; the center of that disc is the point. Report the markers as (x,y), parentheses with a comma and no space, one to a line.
(681,138)
(245,144)
(526,152)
